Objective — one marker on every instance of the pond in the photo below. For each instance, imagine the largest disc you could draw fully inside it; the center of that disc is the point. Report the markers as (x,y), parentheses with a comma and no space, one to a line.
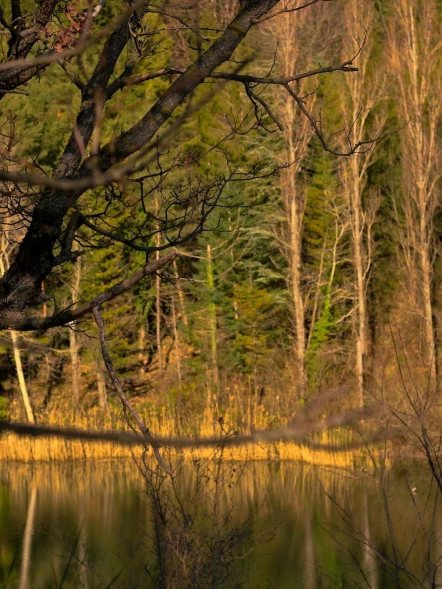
(227,525)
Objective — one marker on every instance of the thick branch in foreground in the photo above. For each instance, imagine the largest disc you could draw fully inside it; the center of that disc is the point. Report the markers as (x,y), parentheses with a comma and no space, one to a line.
(299,434)
(20,287)
(23,322)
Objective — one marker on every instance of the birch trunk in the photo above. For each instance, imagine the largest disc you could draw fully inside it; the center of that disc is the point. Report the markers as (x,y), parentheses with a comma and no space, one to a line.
(365,118)
(212,319)
(158,303)
(73,338)
(360,263)
(101,387)
(297,133)
(178,364)
(21,378)
(180,296)
(298,301)
(416,58)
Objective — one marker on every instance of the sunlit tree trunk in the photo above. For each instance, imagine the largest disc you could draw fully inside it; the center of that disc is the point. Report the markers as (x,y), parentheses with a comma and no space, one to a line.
(212,319)
(158,317)
(296,212)
(178,365)
(415,55)
(297,133)
(4,264)
(235,285)
(141,350)
(180,295)
(21,377)
(73,337)
(158,298)
(101,386)
(361,106)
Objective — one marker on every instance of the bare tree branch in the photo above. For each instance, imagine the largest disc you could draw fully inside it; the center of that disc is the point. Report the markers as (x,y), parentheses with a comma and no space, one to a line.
(21,322)
(147,435)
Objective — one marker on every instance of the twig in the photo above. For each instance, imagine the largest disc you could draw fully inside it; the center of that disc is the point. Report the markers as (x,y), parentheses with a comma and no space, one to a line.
(21,322)
(147,435)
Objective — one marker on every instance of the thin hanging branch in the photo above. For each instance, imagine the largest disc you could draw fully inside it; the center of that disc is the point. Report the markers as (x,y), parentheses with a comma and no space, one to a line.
(147,435)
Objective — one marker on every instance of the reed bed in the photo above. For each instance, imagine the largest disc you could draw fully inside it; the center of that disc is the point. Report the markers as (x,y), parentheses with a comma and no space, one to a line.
(164,423)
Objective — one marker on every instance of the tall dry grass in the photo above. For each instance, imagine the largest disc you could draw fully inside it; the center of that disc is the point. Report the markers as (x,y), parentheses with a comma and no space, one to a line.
(27,449)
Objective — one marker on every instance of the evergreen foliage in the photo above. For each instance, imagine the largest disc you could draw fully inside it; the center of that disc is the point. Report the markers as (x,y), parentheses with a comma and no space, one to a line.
(226,319)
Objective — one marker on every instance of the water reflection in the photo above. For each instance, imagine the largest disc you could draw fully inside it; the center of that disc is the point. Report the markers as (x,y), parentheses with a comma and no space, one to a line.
(90,525)
(27,541)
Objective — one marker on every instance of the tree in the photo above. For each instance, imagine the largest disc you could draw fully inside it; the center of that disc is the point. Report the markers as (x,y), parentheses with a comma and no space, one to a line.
(416,57)
(4,263)
(56,205)
(364,116)
(296,35)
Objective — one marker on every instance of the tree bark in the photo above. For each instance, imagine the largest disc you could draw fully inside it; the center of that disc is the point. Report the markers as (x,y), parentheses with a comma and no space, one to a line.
(212,321)
(101,386)
(364,95)
(21,285)
(73,338)
(416,57)
(21,377)
(297,133)
(180,296)
(298,301)
(178,365)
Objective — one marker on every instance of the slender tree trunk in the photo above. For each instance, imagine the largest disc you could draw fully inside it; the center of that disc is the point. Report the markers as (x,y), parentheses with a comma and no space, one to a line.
(359,262)
(212,320)
(235,285)
(180,296)
(141,355)
(73,338)
(75,366)
(415,57)
(158,310)
(101,386)
(298,300)
(21,378)
(178,363)
(290,28)
(427,288)
(364,95)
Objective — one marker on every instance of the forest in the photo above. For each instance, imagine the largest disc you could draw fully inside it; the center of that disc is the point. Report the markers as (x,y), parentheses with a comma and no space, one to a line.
(285,208)
(220,280)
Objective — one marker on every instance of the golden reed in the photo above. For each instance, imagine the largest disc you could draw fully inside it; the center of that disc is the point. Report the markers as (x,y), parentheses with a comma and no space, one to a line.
(28,449)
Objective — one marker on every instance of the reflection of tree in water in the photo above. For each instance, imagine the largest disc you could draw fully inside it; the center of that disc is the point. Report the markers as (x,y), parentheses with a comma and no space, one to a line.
(25,580)
(284,531)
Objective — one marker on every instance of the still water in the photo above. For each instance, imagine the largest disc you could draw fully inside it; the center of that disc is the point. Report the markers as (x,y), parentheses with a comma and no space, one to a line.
(261,525)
